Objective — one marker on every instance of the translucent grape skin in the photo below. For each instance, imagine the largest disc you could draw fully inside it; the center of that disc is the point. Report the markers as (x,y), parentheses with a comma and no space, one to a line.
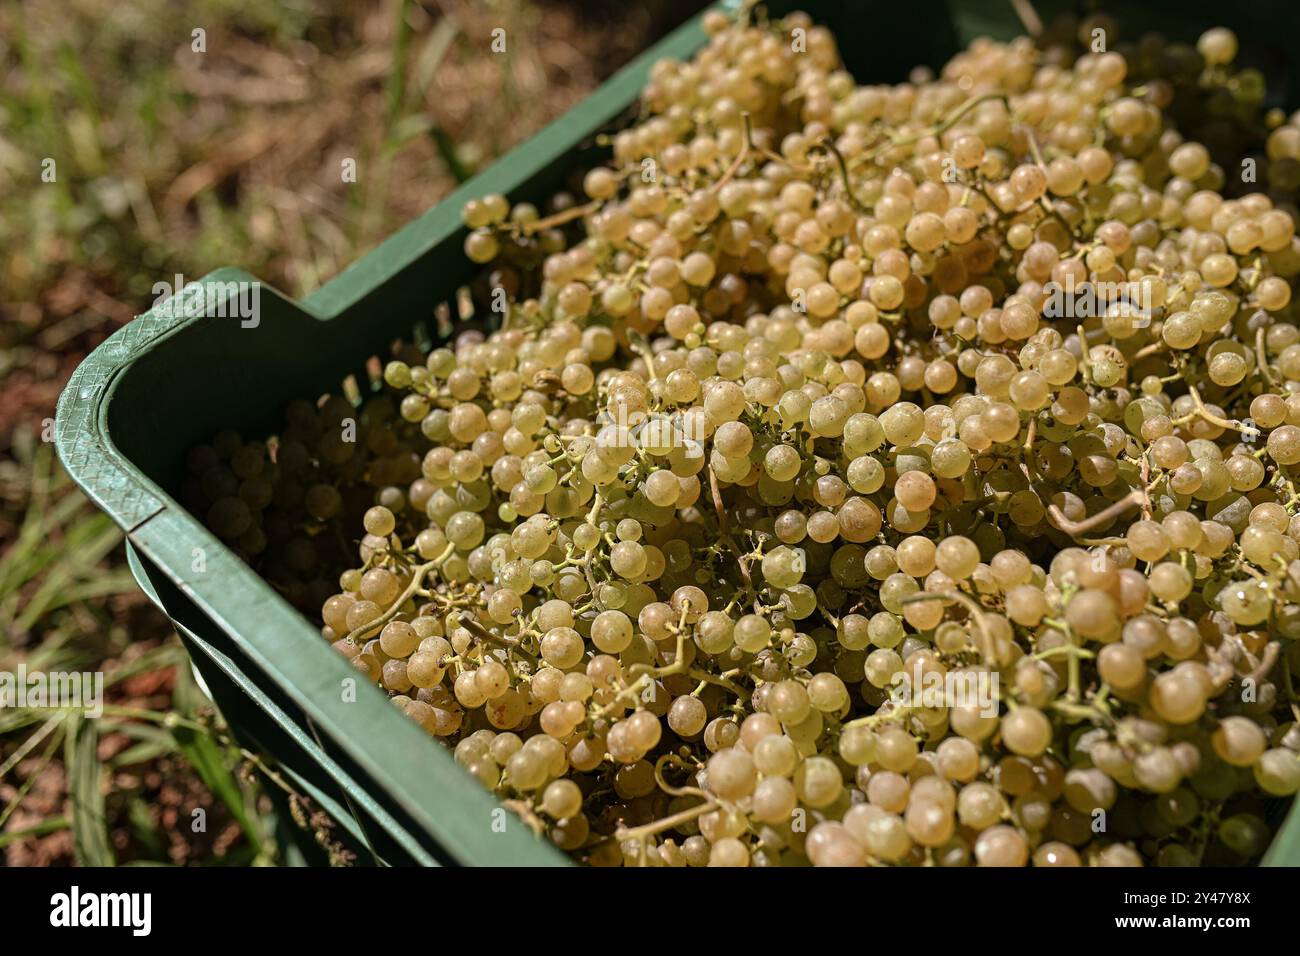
(781,433)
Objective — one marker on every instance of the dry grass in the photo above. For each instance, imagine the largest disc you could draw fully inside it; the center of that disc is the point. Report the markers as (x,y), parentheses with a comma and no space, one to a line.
(170,161)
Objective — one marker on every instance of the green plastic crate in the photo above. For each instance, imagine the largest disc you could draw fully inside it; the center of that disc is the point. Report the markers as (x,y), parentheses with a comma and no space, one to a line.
(163,384)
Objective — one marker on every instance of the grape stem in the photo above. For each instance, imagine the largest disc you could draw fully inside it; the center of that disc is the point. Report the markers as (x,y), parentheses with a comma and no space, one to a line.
(976,612)
(525,811)
(416,580)
(1029,18)
(1266,661)
(1030,434)
(947,123)
(1072,649)
(994,209)
(1044,202)
(668,788)
(1082,711)
(560,218)
(719,680)
(1145,475)
(642,348)
(878,717)
(678,666)
(735,163)
(647,675)
(483,634)
(1076,528)
(631,689)
(666,823)
(1085,362)
(725,532)
(827,146)
(1261,358)
(1206,414)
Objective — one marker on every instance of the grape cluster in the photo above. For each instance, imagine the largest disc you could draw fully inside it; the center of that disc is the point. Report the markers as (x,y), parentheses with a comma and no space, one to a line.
(811,499)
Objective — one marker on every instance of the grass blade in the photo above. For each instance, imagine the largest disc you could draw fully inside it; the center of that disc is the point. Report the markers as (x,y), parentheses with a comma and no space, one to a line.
(48,825)
(89,827)
(209,760)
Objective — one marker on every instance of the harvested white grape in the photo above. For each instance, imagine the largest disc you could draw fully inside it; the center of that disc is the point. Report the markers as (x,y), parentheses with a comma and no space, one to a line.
(858,474)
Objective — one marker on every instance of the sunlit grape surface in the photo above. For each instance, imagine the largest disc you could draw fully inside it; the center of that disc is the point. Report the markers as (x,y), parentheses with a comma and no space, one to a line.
(852,475)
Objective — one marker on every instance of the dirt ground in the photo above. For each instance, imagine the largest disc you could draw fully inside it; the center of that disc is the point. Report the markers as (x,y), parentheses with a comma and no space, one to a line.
(141,139)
